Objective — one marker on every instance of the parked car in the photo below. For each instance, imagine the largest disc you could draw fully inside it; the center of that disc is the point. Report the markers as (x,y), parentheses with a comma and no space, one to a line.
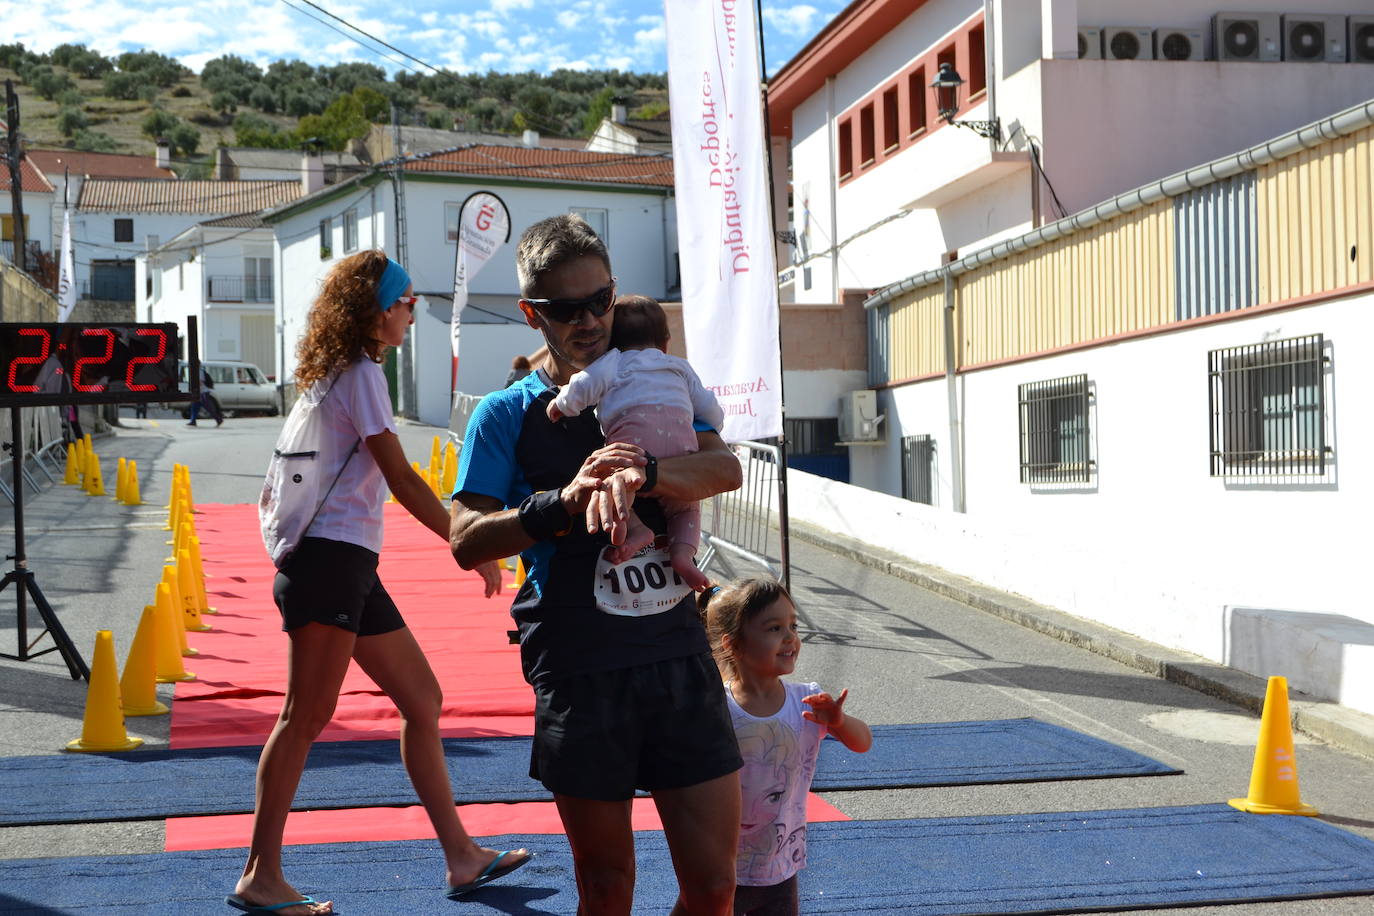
(239,387)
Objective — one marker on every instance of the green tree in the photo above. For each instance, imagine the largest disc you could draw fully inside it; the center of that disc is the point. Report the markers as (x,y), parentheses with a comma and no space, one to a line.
(342,121)
(229,71)
(159,123)
(48,82)
(162,70)
(89,64)
(263,98)
(376,107)
(71,120)
(93,141)
(184,139)
(257,132)
(71,98)
(119,84)
(225,102)
(598,110)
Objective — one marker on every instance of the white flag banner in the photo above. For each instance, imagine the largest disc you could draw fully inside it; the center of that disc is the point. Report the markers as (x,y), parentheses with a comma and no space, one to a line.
(66,276)
(483,227)
(724,230)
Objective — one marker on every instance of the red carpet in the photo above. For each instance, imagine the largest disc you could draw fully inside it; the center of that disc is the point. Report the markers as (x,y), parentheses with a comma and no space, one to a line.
(241,669)
(372,824)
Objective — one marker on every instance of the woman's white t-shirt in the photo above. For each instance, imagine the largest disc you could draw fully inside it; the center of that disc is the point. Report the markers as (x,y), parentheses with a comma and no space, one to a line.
(358,406)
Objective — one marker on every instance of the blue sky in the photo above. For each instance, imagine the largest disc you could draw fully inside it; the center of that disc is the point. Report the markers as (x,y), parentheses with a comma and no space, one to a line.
(462,35)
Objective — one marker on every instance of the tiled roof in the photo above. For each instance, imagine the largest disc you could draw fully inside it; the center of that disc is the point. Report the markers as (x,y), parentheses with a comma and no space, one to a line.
(237,221)
(226,197)
(97,165)
(543,164)
(30,179)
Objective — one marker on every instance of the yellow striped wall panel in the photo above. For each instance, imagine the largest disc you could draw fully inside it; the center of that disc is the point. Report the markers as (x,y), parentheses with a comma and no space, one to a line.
(917,333)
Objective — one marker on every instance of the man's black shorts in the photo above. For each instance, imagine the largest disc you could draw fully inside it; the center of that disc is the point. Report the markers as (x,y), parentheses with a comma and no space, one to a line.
(663,725)
(334,583)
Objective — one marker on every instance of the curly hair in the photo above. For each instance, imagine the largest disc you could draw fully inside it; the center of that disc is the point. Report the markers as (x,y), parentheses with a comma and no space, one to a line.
(342,322)
(725,610)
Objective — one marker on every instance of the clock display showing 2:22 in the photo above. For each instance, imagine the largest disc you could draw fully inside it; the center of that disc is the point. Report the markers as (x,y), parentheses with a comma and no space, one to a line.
(45,363)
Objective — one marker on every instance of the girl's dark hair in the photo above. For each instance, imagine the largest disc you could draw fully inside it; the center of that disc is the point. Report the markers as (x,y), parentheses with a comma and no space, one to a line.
(639,322)
(726,609)
(342,321)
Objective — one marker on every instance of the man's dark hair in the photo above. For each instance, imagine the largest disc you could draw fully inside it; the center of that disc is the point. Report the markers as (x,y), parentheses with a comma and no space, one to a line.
(551,242)
(639,322)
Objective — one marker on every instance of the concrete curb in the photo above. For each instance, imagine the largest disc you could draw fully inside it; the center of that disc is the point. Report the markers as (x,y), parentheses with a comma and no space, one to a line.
(1322,719)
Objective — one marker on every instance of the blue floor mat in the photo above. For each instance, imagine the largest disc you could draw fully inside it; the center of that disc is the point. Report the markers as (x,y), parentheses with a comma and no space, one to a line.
(74,788)
(1028,863)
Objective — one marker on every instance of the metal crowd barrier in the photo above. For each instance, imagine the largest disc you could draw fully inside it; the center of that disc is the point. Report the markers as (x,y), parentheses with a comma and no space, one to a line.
(743,520)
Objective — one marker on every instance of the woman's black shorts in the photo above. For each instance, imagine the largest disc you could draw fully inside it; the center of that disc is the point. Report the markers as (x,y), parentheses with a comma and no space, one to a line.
(334,583)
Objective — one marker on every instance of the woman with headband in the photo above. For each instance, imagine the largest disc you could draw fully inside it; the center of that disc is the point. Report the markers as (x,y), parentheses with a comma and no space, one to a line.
(334,608)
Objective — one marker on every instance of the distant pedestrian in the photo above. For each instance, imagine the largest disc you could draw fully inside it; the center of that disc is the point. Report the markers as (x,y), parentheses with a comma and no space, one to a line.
(207,400)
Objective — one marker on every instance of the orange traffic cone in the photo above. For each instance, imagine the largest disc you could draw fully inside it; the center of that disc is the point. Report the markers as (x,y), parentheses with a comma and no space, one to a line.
(1274,777)
(169,664)
(102,727)
(138,686)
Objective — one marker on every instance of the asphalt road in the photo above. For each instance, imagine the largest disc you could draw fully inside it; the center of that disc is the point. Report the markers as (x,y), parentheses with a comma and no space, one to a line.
(906,654)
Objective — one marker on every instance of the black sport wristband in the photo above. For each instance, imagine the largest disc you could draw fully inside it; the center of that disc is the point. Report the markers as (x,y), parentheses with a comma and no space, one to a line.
(650,474)
(543,515)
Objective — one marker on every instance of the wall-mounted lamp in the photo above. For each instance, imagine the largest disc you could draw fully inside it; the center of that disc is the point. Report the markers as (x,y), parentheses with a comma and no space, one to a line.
(946,86)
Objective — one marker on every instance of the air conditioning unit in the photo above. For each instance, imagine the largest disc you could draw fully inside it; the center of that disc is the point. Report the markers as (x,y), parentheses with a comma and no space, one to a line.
(1128,43)
(1089,43)
(1247,36)
(859,420)
(1179,44)
(1314,38)
(1359,39)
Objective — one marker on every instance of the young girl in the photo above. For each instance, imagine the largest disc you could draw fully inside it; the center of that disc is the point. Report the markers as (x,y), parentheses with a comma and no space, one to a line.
(333,606)
(753,630)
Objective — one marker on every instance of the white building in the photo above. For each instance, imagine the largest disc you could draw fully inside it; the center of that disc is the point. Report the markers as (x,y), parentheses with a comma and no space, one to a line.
(1114,384)
(627,200)
(36,199)
(221,273)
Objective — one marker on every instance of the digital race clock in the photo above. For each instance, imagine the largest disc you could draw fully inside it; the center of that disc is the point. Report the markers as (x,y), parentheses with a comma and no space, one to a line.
(74,363)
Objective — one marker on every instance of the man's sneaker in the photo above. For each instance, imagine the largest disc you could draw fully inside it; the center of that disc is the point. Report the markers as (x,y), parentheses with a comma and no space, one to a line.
(192,423)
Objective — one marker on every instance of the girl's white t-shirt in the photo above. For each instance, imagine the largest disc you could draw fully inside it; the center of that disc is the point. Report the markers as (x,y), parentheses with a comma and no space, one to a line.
(358,406)
(780,753)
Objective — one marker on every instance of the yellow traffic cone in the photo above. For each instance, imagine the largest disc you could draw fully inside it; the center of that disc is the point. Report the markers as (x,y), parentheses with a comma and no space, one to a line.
(71,476)
(95,485)
(138,686)
(168,647)
(187,494)
(179,540)
(190,599)
(1274,777)
(131,495)
(450,474)
(198,577)
(435,457)
(102,727)
(519,573)
(83,463)
(172,491)
(169,579)
(87,439)
(503,564)
(121,479)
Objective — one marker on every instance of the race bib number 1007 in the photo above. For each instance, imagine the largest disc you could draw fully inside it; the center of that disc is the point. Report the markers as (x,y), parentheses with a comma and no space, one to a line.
(642,586)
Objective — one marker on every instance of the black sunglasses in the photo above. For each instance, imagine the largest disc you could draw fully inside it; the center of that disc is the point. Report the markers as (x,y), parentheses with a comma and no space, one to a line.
(569,311)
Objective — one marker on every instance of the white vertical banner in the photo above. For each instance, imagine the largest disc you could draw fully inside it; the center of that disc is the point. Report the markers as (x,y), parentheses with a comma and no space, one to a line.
(725,233)
(66,276)
(483,227)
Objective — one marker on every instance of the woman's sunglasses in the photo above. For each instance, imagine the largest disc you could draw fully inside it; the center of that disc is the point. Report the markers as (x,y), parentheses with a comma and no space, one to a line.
(408,300)
(569,311)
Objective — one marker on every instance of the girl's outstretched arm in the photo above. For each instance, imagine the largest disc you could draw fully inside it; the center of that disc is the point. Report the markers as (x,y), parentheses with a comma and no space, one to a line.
(829,711)
(408,487)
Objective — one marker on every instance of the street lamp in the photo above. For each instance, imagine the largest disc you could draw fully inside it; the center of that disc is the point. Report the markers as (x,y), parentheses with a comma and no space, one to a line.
(946,86)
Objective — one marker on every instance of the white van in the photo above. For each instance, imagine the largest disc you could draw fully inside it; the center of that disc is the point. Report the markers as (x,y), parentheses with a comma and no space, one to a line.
(239,387)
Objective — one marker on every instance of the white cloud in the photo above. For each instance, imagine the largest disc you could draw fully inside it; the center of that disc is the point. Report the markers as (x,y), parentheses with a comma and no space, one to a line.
(795,21)
(569,19)
(504,7)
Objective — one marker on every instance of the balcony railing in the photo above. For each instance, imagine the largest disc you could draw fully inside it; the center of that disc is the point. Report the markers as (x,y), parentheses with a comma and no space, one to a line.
(31,249)
(240,289)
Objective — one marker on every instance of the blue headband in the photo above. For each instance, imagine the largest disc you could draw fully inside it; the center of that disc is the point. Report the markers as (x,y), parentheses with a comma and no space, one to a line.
(393,283)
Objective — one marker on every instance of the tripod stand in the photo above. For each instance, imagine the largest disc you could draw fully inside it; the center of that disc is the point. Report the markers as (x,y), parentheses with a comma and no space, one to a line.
(21,577)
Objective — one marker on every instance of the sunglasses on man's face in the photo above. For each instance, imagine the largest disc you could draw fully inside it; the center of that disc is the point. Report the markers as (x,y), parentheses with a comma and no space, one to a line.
(569,311)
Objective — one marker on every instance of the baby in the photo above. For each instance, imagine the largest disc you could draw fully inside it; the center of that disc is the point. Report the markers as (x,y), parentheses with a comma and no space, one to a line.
(647,398)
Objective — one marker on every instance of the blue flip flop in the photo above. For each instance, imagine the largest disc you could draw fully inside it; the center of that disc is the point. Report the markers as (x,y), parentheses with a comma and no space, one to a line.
(489,874)
(239,903)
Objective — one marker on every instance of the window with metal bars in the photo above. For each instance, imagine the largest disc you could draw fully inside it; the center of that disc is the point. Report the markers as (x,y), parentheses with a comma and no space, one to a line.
(1054,432)
(1268,409)
(918,469)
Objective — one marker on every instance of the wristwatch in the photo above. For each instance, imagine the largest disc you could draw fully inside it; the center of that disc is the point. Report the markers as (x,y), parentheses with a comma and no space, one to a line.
(650,474)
